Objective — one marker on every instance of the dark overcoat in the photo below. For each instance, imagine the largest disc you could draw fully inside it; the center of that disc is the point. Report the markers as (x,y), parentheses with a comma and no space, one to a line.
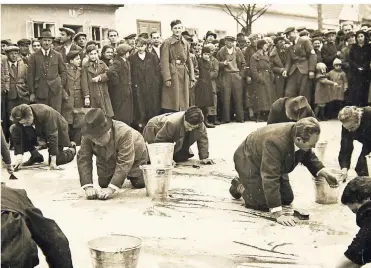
(204,88)
(267,154)
(278,60)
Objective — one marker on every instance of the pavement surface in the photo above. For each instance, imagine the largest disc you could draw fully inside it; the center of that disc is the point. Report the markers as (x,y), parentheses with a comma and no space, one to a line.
(200,224)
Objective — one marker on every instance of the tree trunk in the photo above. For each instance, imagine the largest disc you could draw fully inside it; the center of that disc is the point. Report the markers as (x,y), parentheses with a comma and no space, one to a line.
(320,22)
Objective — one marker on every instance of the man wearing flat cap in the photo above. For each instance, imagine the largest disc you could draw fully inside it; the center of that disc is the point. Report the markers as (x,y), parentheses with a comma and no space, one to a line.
(119,151)
(329,51)
(4,44)
(18,90)
(278,61)
(232,66)
(80,39)
(45,68)
(300,65)
(24,49)
(177,70)
(66,42)
(365,26)
(183,128)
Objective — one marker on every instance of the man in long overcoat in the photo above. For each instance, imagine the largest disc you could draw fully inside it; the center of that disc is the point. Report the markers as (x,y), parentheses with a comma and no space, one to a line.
(183,128)
(119,150)
(300,65)
(278,60)
(45,68)
(177,70)
(119,85)
(49,126)
(23,228)
(264,159)
(5,79)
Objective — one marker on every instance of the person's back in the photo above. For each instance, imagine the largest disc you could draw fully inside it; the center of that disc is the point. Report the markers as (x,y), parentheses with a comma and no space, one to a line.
(22,227)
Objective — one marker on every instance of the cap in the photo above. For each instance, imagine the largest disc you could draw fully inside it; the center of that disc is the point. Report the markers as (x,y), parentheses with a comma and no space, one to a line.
(72,54)
(304,33)
(69,31)
(193,115)
(279,38)
(228,37)
(11,48)
(123,49)
(130,36)
(330,31)
(24,41)
(289,30)
(210,33)
(301,28)
(175,22)
(6,41)
(78,35)
(336,61)
(144,35)
(90,48)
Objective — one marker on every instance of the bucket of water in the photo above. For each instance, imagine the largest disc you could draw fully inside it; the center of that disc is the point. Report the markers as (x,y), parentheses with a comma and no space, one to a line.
(368,161)
(320,150)
(161,154)
(157,180)
(324,194)
(115,251)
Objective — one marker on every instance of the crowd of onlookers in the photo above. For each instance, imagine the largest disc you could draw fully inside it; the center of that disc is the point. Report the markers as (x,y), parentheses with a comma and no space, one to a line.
(139,77)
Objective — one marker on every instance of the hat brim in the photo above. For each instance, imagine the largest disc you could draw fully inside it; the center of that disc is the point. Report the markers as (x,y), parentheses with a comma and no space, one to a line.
(97,132)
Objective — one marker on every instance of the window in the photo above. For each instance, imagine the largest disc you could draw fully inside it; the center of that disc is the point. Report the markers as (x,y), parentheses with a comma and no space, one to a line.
(34,28)
(220,33)
(96,34)
(148,26)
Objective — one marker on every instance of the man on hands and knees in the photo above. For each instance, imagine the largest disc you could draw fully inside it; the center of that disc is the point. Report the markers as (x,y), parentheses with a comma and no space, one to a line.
(119,151)
(356,196)
(183,128)
(40,121)
(264,160)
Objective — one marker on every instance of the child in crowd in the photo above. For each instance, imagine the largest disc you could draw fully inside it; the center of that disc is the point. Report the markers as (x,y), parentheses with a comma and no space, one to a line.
(71,81)
(323,92)
(339,76)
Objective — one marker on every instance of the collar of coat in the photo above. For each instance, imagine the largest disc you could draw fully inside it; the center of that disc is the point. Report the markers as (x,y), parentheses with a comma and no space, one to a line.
(173,39)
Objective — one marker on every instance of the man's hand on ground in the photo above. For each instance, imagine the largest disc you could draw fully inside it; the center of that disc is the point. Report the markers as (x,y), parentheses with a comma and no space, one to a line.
(105,193)
(53,164)
(10,168)
(91,193)
(18,162)
(286,220)
(207,162)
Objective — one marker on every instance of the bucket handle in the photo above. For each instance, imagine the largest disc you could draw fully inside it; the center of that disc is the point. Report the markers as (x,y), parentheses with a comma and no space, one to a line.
(160,171)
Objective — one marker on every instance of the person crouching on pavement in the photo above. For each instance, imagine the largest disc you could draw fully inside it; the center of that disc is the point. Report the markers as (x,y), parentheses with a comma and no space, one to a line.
(40,121)
(183,128)
(119,150)
(356,196)
(265,158)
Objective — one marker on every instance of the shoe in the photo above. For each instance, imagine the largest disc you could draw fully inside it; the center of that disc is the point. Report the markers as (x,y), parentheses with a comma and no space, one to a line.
(209,125)
(36,158)
(216,123)
(233,189)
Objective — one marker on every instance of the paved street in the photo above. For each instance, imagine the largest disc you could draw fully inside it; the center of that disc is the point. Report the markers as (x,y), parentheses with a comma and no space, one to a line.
(200,225)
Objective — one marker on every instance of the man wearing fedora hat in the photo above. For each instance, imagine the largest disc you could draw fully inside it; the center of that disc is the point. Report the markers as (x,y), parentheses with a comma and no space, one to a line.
(182,128)
(44,73)
(66,42)
(119,151)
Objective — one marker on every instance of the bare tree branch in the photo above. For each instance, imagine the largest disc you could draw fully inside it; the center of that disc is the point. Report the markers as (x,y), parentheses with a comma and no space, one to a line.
(260,12)
(235,17)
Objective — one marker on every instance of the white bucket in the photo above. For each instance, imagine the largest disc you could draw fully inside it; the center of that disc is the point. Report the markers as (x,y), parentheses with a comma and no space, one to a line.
(368,161)
(320,150)
(157,180)
(161,154)
(324,194)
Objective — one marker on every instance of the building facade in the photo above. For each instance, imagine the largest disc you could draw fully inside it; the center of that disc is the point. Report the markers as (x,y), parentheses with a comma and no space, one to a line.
(26,21)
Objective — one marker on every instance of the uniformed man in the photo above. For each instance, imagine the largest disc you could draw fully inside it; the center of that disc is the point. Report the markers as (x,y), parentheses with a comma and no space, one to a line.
(300,65)
(24,49)
(177,70)
(119,150)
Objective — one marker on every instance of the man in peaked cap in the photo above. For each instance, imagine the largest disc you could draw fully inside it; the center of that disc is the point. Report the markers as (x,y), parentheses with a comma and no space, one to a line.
(303,33)
(24,49)
(177,70)
(329,51)
(130,39)
(66,42)
(5,43)
(182,128)
(80,39)
(365,26)
(119,149)
(45,84)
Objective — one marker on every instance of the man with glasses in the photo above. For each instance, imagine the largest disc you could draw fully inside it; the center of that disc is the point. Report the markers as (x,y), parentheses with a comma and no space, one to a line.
(183,128)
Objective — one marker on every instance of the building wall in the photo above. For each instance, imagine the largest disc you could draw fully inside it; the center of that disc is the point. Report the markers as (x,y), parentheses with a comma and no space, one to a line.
(14,18)
(204,18)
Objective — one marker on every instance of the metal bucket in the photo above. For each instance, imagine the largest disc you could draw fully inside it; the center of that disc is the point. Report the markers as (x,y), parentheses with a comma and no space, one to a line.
(324,194)
(115,251)
(320,150)
(368,161)
(161,154)
(157,180)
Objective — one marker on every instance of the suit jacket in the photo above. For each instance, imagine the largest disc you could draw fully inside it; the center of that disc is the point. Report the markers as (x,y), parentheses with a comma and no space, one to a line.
(301,56)
(170,128)
(267,154)
(18,82)
(62,50)
(329,54)
(22,227)
(49,125)
(4,75)
(128,148)
(237,63)
(362,134)
(43,80)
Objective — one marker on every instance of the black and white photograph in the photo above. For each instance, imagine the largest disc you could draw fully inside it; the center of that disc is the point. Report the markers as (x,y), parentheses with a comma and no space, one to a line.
(185,135)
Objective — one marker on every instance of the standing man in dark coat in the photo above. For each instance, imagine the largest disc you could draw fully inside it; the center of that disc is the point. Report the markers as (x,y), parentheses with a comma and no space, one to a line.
(44,74)
(356,126)
(119,86)
(23,228)
(48,125)
(300,65)
(66,41)
(232,66)
(265,158)
(5,77)
(177,70)
(329,51)
(278,60)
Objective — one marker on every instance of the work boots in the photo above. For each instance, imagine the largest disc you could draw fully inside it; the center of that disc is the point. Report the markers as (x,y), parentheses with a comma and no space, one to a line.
(236,188)
(36,157)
